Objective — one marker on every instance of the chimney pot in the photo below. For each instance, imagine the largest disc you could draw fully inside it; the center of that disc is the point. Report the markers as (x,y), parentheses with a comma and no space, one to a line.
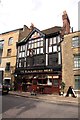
(31,27)
(66,23)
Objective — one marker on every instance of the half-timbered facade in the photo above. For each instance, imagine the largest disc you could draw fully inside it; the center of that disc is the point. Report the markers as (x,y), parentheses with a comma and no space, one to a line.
(38,64)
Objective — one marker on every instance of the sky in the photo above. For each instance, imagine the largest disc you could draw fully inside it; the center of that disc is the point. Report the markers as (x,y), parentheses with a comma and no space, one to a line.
(43,14)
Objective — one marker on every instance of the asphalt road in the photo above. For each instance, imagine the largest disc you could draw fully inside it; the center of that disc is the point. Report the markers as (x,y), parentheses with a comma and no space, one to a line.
(21,107)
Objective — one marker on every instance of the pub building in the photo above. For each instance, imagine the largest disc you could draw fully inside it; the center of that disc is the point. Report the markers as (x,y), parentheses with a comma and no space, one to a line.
(39,59)
(38,64)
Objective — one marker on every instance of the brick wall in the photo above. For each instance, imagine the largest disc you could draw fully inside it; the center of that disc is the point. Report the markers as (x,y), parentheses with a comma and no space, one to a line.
(68,52)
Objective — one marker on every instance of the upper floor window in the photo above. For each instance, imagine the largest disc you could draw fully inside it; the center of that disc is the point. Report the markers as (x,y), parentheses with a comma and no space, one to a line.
(75,41)
(77,61)
(1,44)
(10,41)
(52,41)
(77,82)
(21,51)
(0,60)
(35,43)
(9,52)
(7,66)
(55,48)
(53,44)
(35,47)
(58,39)
(59,57)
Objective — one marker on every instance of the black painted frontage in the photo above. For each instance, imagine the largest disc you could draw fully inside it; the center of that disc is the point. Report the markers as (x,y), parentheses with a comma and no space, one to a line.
(38,64)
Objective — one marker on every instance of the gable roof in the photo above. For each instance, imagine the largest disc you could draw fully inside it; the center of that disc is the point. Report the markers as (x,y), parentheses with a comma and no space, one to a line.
(46,32)
(29,35)
(35,30)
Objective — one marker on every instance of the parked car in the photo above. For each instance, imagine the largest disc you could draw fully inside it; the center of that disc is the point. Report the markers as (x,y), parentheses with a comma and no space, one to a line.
(5,89)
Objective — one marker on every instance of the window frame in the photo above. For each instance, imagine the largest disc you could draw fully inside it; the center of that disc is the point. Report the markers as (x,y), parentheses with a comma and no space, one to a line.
(10,41)
(36,45)
(9,52)
(75,41)
(77,81)
(76,61)
(7,68)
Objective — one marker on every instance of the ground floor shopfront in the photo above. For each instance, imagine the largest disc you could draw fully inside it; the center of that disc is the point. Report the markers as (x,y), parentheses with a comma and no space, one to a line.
(40,82)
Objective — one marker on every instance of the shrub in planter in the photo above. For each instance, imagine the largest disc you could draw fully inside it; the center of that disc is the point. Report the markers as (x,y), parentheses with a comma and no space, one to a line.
(62,88)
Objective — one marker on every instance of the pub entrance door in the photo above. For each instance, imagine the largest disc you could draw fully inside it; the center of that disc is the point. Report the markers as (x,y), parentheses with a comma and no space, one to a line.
(56,86)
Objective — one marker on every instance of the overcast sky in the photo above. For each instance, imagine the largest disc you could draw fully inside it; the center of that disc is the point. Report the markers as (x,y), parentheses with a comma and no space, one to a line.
(42,13)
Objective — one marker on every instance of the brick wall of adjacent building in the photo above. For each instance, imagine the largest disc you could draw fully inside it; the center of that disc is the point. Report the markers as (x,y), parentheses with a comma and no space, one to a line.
(17,35)
(68,52)
(12,58)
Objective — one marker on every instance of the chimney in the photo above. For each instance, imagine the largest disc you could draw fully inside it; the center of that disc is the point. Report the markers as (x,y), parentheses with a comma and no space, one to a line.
(31,27)
(66,23)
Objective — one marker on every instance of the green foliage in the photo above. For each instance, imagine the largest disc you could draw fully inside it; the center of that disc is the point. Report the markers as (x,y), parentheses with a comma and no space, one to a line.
(62,85)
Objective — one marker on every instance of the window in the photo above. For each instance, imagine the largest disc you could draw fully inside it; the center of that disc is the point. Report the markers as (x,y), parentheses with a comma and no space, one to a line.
(55,48)
(36,46)
(40,81)
(22,51)
(20,55)
(77,82)
(55,83)
(50,41)
(7,66)
(41,50)
(52,44)
(34,82)
(1,44)
(21,48)
(59,58)
(23,54)
(9,52)
(28,53)
(24,47)
(38,51)
(25,64)
(0,60)
(10,41)
(59,48)
(54,40)
(1,48)
(58,39)
(17,63)
(20,63)
(50,49)
(35,51)
(75,41)
(41,43)
(1,51)
(77,61)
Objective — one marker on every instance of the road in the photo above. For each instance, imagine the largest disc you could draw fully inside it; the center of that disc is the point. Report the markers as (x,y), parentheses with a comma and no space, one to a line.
(22,107)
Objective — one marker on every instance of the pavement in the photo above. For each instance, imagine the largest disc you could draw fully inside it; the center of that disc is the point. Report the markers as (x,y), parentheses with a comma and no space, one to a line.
(48,98)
